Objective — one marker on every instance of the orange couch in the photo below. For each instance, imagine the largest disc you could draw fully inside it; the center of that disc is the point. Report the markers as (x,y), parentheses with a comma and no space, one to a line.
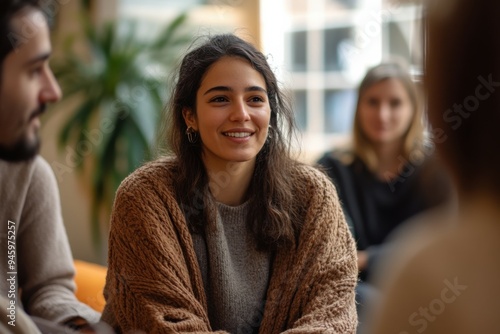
(90,279)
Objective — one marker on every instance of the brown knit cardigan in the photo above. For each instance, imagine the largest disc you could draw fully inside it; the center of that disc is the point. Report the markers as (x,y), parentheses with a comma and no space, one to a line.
(154,283)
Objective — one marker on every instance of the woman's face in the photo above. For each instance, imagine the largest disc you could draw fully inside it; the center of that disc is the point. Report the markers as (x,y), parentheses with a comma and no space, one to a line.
(385,111)
(232,113)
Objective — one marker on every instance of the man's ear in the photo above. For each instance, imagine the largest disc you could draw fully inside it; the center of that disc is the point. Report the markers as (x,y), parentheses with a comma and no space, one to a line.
(190,118)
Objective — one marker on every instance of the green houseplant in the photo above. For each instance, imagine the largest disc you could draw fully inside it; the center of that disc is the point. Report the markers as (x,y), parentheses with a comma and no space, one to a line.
(120,87)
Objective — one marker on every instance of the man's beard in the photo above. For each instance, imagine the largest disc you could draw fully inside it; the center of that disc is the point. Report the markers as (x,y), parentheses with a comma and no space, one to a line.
(22,150)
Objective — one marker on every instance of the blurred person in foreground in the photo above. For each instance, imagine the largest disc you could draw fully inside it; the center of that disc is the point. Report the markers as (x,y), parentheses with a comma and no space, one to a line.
(443,277)
(36,265)
(229,233)
(390,172)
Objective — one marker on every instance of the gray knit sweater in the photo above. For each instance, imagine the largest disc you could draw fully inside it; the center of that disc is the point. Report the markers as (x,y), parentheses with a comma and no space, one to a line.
(30,201)
(235,274)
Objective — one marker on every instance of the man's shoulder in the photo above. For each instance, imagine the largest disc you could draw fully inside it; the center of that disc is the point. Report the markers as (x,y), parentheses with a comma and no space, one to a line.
(25,172)
(38,163)
(40,166)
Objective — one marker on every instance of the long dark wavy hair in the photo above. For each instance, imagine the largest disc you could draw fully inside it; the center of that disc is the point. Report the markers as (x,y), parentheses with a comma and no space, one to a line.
(274,220)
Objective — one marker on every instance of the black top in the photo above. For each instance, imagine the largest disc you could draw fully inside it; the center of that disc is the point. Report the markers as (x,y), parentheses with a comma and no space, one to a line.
(373,207)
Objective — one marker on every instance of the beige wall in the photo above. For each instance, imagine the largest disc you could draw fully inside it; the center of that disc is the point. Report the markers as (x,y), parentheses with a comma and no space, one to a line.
(251,14)
(74,190)
(250,20)
(241,17)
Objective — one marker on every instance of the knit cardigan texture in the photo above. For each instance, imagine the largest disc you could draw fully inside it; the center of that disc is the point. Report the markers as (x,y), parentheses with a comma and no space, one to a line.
(154,282)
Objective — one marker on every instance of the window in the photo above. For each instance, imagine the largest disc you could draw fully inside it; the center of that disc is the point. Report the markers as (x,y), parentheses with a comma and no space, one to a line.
(339,110)
(333,51)
(328,47)
(300,108)
(298,47)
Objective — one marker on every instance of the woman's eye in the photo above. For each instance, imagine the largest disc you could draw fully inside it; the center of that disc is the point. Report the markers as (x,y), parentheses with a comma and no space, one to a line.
(218,99)
(395,103)
(256,99)
(372,102)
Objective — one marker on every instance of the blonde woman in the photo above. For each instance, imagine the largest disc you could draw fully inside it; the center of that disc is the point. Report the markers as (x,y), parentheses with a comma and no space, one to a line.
(389,174)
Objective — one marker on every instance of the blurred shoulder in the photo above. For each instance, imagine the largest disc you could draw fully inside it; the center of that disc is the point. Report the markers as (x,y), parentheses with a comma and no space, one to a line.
(427,243)
(436,259)
(25,171)
(42,170)
(8,168)
(341,155)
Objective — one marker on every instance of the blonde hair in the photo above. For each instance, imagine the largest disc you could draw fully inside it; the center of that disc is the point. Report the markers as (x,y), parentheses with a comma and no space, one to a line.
(413,140)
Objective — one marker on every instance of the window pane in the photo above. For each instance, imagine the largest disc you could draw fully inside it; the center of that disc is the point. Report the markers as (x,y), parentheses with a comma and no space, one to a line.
(299,51)
(333,38)
(300,108)
(339,110)
(161,4)
(398,35)
(342,3)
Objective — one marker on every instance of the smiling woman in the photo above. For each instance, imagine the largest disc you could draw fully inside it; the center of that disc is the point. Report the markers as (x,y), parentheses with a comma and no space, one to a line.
(232,119)
(228,233)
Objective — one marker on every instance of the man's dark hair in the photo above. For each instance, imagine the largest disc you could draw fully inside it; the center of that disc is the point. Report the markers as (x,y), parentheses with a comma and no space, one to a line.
(8,9)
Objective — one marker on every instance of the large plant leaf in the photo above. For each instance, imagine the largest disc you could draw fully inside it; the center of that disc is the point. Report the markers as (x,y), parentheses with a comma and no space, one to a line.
(116,86)
(169,33)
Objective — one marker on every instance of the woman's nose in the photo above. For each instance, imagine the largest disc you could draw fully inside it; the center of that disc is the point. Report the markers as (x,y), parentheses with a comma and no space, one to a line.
(239,112)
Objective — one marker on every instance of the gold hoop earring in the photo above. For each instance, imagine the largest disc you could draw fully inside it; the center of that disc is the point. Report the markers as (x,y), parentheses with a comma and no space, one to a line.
(191,134)
(270,130)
